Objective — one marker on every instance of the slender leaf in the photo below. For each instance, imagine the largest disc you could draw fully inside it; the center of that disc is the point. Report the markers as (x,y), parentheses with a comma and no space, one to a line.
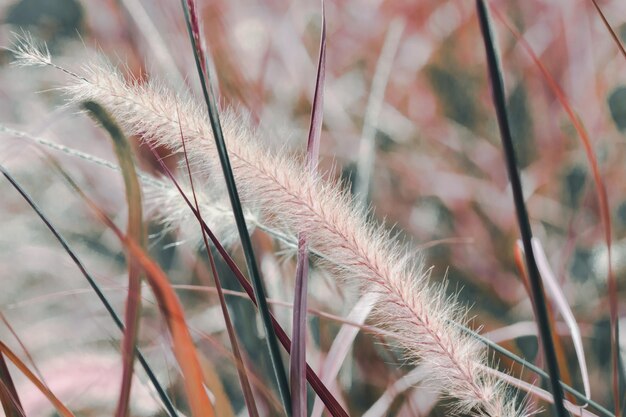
(193,26)
(497,85)
(618,43)
(558,344)
(212,379)
(555,291)
(9,398)
(367,146)
(135,230)
(342,343)
(58,405)
(297,374)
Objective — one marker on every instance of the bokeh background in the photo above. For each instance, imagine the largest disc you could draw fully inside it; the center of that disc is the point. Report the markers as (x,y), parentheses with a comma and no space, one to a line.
(438,179)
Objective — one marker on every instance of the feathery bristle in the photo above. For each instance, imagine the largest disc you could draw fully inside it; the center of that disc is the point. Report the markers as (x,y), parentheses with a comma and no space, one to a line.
(28,52)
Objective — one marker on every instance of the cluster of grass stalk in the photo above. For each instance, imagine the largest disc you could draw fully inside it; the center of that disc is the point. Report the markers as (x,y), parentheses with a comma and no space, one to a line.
(222,157)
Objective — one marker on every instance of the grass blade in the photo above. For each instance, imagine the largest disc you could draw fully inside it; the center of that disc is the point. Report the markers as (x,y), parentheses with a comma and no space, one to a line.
(410,380)
(601,195)
(297,374)
(618,43)
(241,367)
(92,282)
(183,347)
(367,146)
(497,85)
(9,398)
(135,230)
(558,343)
(343,342)
(61,409)
(18,339)
(193,27)
(559,299)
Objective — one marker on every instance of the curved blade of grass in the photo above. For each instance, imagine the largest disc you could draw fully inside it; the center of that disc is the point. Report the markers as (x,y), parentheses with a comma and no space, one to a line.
(153,37)
(613,297)
(193,26)
(342,343)
(320,389)
(92,282)
(297,374)
(558,343)
(381,407)
(497,85)
(601,195)
(135,230)
(559,299)
(9,398)
(223,406)
(23,346)
(241,367)
(183,347)
(367,145)
(61,409)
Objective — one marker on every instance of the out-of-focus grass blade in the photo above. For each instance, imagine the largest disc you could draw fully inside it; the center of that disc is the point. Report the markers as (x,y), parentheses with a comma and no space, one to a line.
(61,409)
(559,349)
(23,346)
(9,398)
(297,375)
(619,44)
(497,85)
(223,406)
(317,111)
(183,347)
(381,407)
(135,230)
(92,282)
(367,146)
(193,26)
(241,367)
(342,343)
(601,195)
(320,389)
(555,291)
(153,37)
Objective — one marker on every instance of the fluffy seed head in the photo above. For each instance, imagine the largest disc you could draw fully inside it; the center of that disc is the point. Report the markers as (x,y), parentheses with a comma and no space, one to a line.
(292,199)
